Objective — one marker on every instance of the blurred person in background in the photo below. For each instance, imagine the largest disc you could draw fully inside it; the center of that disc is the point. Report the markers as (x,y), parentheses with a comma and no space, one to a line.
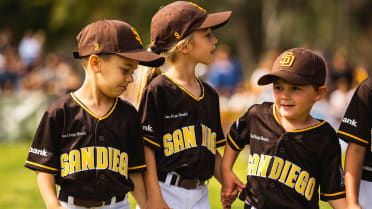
(263,93)
(225,72)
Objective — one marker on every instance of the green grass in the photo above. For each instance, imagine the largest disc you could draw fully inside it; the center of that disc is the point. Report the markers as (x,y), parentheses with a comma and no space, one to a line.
(19,188)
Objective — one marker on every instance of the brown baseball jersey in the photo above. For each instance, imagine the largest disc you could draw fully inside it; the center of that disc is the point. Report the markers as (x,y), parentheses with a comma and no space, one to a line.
(285,169)
(183,130)
(357,123)
(89,156)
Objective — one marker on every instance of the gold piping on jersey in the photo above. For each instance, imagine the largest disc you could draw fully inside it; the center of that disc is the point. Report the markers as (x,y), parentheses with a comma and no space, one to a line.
(137,167)
(41,166)
(334,194)
(154,143)
(183,89)
(297,130)
(236,146)
(352,136)
(90,112)
(309,128)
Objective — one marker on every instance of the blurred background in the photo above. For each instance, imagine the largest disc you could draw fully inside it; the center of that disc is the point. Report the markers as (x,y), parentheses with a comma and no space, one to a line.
(36,65)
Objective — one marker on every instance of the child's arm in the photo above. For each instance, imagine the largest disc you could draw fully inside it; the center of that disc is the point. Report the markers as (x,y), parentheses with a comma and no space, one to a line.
(155,199)
(139,192)
(217,167)
(338,203)
(47,188)
(353,171)
(230,182)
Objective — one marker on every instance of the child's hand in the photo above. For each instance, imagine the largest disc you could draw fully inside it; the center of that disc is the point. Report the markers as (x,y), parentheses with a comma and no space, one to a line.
(227,201)
(231,186)
(157,203)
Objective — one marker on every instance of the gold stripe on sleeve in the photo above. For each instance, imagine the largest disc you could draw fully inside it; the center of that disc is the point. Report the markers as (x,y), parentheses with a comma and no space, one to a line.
(334,194)
(154,143)
(232,141)
(221,141)
(42,166)
(137,167)
(354,137)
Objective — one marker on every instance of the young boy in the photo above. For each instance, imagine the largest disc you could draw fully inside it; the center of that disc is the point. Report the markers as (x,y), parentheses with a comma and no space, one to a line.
(89,141)
(356,130)
(291,153)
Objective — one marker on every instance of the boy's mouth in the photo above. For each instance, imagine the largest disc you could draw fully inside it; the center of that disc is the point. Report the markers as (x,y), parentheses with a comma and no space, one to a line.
(287,106)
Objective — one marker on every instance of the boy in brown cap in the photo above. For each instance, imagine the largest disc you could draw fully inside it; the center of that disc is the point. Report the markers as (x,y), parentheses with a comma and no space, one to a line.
(291,153)
(179,112)
(89,141)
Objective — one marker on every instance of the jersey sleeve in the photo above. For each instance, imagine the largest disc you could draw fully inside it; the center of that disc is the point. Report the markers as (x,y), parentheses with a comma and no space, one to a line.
(356,123)
(220,140)
(150,111)
(136,152)
(332,184)
(238,135)
(43,153)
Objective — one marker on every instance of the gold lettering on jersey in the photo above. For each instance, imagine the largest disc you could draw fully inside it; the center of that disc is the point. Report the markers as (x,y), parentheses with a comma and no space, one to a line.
(277,168)
(102,158)
(184,138)
(310,188)
(292,176)
(287,59)
(87,158)
(301,182)
(90,158)
(263,165)
(168,144)
(64,165)
(74,161)
(208,138)
(283,171)
(179,144)
(189,136)
(253,164)
(179,140)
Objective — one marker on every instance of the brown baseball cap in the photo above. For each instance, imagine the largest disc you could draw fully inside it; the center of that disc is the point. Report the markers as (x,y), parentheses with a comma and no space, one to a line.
(297,66)
(179,19)
(114,37)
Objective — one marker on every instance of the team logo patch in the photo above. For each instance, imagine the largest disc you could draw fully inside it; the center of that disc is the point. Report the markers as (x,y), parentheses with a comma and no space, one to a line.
(287,59)
(201,8)
(137,36)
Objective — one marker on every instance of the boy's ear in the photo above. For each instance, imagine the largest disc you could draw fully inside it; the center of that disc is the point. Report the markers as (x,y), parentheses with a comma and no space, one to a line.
(321,93)
(95,63)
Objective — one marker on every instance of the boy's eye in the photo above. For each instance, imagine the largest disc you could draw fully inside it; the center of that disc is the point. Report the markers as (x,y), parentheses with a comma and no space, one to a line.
(125,70)
(296,88)
(278,88)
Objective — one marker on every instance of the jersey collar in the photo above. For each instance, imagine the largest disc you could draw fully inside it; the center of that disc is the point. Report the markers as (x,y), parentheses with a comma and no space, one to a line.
(90,112)
(297,130)
(187,92)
